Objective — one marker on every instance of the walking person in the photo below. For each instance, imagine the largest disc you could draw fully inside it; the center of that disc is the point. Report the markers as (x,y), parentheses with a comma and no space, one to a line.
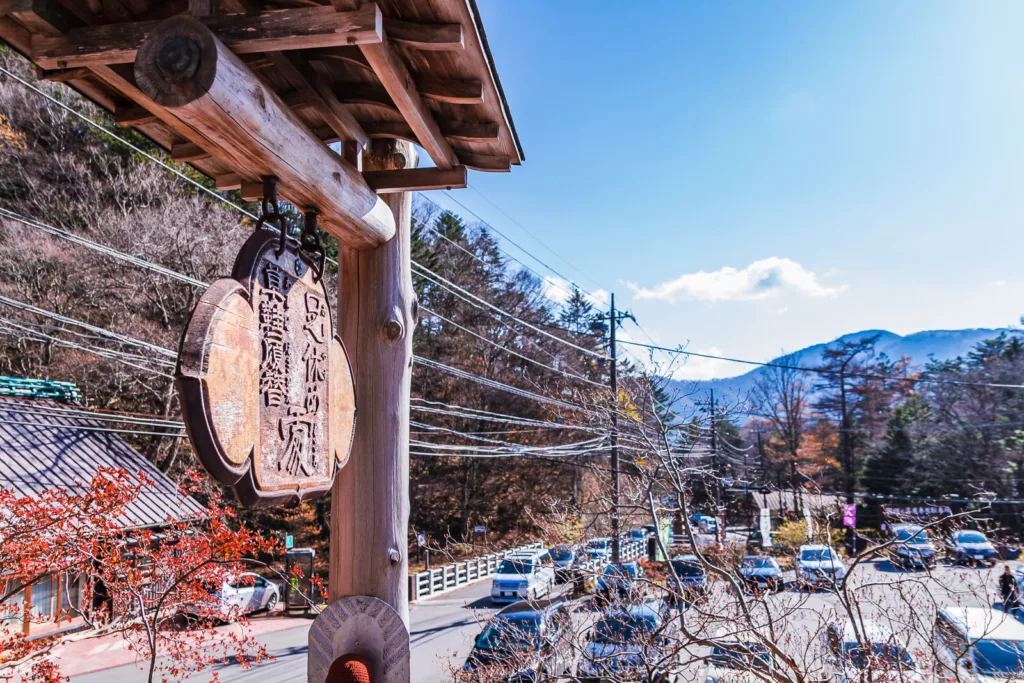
(1008,590)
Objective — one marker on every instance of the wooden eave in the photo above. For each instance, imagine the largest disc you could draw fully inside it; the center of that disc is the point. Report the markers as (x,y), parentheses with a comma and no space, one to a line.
(424,74)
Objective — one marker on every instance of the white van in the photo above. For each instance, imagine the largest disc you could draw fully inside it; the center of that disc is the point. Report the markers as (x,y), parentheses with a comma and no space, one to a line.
(523,576)
(979,644)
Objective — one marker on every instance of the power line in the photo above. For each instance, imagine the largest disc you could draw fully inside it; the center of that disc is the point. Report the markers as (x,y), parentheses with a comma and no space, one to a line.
(89,244)
(823,371)
(494,384)
(520,248)
(536,239)
(125,142)
(437,279)
(508,350)
(14,303)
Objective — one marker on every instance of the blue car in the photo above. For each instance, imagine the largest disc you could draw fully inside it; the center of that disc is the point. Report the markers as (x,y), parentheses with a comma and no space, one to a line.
(687,579)
(522,643)
(620,580)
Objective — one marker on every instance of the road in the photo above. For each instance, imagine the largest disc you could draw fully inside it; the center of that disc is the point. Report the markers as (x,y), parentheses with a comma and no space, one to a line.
(441,631)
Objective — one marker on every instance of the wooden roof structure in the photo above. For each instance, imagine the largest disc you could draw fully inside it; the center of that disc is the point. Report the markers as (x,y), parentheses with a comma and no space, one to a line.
(349,71)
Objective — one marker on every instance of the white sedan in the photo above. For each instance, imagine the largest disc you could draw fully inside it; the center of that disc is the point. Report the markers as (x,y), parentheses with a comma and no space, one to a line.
(247,593)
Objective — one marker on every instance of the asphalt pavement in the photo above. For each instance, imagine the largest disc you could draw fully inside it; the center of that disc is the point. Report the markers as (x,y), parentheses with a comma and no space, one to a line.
(441,635)
(443,629)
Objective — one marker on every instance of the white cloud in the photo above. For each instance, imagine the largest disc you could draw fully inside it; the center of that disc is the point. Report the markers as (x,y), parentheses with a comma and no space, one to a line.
(760,280)
(696,368)
(558,290)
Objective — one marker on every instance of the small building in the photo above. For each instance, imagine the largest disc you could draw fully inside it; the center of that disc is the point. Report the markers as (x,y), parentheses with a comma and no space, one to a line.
(48,440)
(790,504)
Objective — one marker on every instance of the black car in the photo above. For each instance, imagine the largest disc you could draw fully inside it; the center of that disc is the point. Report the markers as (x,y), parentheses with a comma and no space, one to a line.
(761,572)
(525,641)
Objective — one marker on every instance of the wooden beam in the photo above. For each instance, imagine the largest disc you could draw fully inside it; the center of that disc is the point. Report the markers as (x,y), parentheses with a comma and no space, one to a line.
(471,131)
(416,179)
(15,34)
(213,92)
(350,55)
(44,17)
(230,181)
(395,76)
(187,152)
(451,91)
(291,29)
(465,131)
(364,93)
(397,130)
(320,96)
(485,162)
(63,75)
(133,116)
(427,37)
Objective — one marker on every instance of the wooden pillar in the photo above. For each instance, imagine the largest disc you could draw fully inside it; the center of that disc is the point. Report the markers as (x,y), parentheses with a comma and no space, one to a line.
(376,317)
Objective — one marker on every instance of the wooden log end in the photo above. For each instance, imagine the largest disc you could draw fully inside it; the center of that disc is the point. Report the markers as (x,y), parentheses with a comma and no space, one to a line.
(177,64)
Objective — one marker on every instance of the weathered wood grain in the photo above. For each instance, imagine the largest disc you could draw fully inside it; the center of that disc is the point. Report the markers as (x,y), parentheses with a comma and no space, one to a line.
(255,133)
(427,37)
(370,501)
(395,76)
(292,29)
(416,179)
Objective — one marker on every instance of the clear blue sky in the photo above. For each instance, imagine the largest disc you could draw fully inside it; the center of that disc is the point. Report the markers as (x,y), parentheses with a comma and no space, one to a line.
(758,176)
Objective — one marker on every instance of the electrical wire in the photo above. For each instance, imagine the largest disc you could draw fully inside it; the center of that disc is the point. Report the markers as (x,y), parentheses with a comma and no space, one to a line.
(14,303)
(494,384)
(125,142)
(437,279)
(508,350)
(89,244)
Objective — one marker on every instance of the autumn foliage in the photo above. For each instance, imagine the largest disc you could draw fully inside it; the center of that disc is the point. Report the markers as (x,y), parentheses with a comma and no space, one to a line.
(156,588)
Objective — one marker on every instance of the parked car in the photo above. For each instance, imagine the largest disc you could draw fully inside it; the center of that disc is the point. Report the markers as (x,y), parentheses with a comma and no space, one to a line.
(692,579)
(817,566)
(600,549)
(522,576)
(708,525)
(736,661)
(873,647)
(245,594)
(525,641)
(626,641)
(912,547)
(620,580)
(761,572)
(972,547)
(564,559)
(980,644)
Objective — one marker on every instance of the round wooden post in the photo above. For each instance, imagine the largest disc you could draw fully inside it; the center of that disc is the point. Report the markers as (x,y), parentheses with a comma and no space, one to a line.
(376,317)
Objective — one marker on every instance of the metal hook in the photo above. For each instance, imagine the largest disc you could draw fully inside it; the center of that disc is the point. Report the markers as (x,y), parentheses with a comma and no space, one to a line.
(310,241)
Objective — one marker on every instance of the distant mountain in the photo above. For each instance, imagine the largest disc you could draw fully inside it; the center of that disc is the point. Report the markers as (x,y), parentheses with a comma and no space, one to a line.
(920,347)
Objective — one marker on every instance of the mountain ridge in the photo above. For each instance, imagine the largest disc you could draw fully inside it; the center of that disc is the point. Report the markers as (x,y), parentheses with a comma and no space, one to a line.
(919,347)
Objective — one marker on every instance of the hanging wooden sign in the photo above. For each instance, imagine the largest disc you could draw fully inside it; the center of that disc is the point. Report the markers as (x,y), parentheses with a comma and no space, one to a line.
(266,386)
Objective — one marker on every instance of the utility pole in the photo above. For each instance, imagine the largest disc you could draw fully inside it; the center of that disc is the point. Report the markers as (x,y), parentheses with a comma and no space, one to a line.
(613,375)
(716,471)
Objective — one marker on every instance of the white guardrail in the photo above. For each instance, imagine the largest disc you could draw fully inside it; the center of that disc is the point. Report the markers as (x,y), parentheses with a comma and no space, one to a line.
(451,576)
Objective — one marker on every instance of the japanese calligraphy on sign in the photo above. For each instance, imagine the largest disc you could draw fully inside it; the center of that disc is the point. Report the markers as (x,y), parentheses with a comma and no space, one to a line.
(266,386)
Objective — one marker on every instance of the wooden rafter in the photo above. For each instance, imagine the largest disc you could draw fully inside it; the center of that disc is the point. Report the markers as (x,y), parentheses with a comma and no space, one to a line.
(428,37)
(416,179)
(293,29)
(451,91)
(318,94)
(396,79)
